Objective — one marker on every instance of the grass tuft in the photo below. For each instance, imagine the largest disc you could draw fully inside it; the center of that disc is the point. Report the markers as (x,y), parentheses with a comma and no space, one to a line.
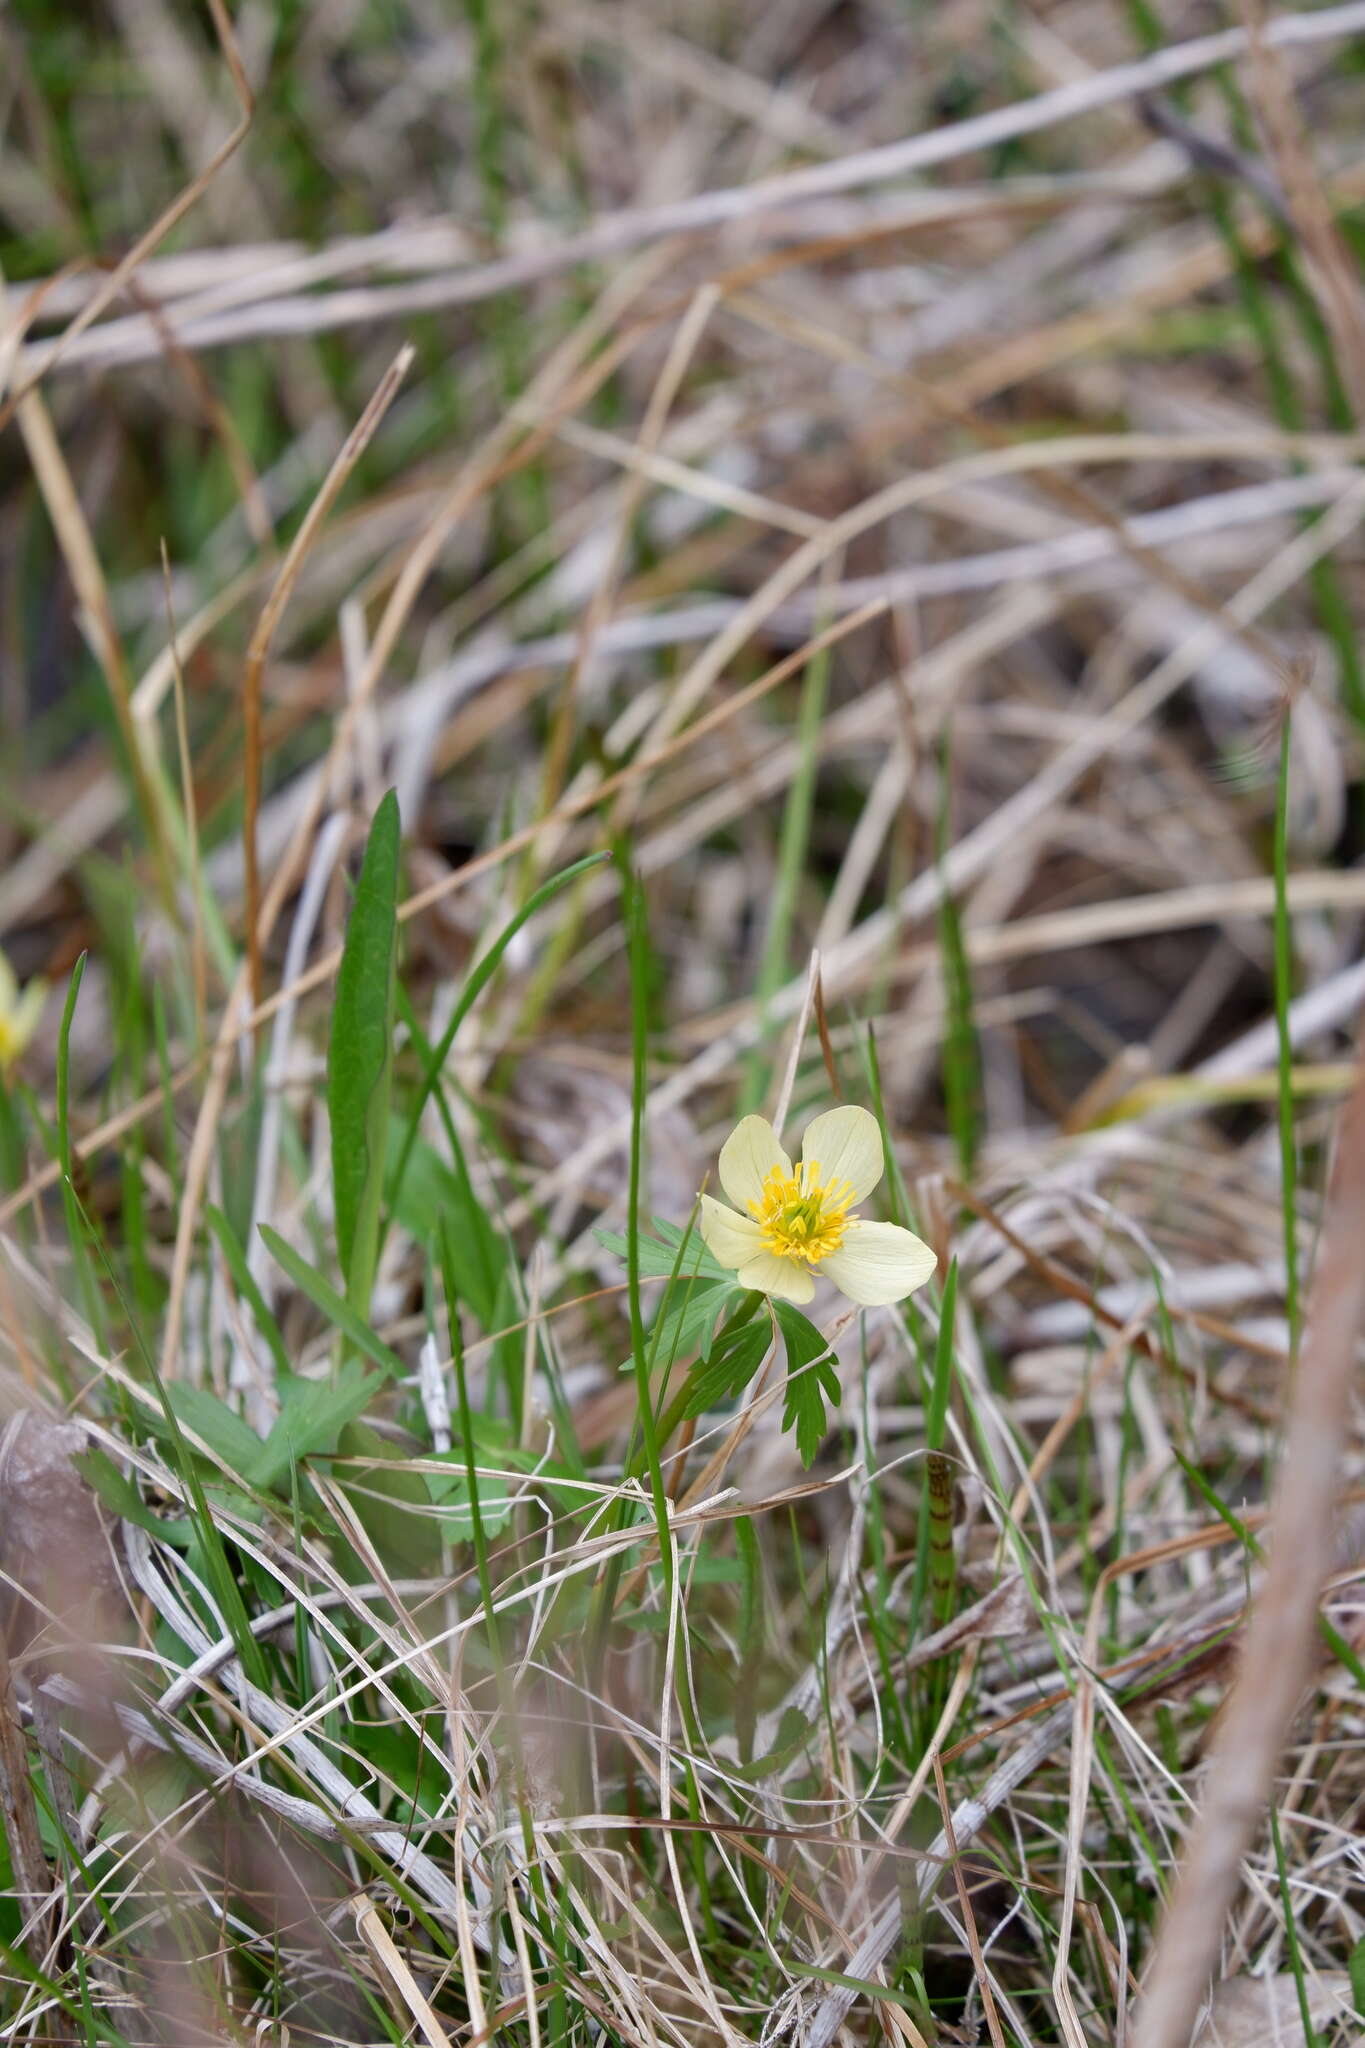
(568,575)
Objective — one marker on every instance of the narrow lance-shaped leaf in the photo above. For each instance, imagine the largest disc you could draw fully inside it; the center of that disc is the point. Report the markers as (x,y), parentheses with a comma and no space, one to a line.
(360,1056)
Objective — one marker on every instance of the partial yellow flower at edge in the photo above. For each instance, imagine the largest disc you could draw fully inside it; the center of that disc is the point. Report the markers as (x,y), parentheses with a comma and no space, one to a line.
(19,1014)
(789,1222)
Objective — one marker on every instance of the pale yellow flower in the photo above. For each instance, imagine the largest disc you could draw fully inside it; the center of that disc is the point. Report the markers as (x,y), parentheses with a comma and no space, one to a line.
(19,1014)
(790,1222)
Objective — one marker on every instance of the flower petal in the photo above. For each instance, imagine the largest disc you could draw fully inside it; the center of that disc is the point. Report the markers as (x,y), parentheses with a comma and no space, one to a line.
(747,1157)
(732,1239)
(847,1143)
(785,1278)
(878,1262)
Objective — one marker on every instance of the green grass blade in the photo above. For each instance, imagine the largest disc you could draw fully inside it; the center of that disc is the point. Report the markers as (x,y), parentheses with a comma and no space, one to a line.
(324,1296)
(1311,2036)
(637,934)
(1341,1649)
(360,1056)
(217,1567)
(475,983)
(449,1271)
(244,1280)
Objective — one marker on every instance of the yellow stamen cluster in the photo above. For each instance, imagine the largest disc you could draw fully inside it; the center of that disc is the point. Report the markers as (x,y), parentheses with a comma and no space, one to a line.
(800,1216)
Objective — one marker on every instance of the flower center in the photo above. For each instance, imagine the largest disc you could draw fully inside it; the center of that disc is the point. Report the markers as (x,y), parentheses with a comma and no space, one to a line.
(800,1216)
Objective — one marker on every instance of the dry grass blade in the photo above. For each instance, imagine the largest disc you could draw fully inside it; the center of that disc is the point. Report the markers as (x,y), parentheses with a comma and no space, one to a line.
(630,230)
(23,1836)
(198,958)
(1329,260)
(51,354)
(357,441)
(82,560)
(1278,1655)
(965,1902)
(381,1943)
(822,579)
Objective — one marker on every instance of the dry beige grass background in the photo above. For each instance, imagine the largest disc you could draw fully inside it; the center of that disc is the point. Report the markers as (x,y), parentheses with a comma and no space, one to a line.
(893,476)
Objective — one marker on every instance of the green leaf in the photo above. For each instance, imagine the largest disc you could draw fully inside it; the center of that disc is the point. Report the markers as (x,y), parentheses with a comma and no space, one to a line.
(208,1547)
(231,1440)
(1355,1963)
(122,1498)
(658,1256)
(811,1379)
(689,1314)
(324,1296)
(312,1415)
(731,1367)
(394,1506)
(480,1258)
(451,1493)
(398,1755)
(699,1289)
(428,1188)
(360,1056)
(793,1734)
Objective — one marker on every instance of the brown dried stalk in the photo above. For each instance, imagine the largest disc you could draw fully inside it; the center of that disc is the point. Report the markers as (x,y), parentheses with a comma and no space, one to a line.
(1281,1636)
